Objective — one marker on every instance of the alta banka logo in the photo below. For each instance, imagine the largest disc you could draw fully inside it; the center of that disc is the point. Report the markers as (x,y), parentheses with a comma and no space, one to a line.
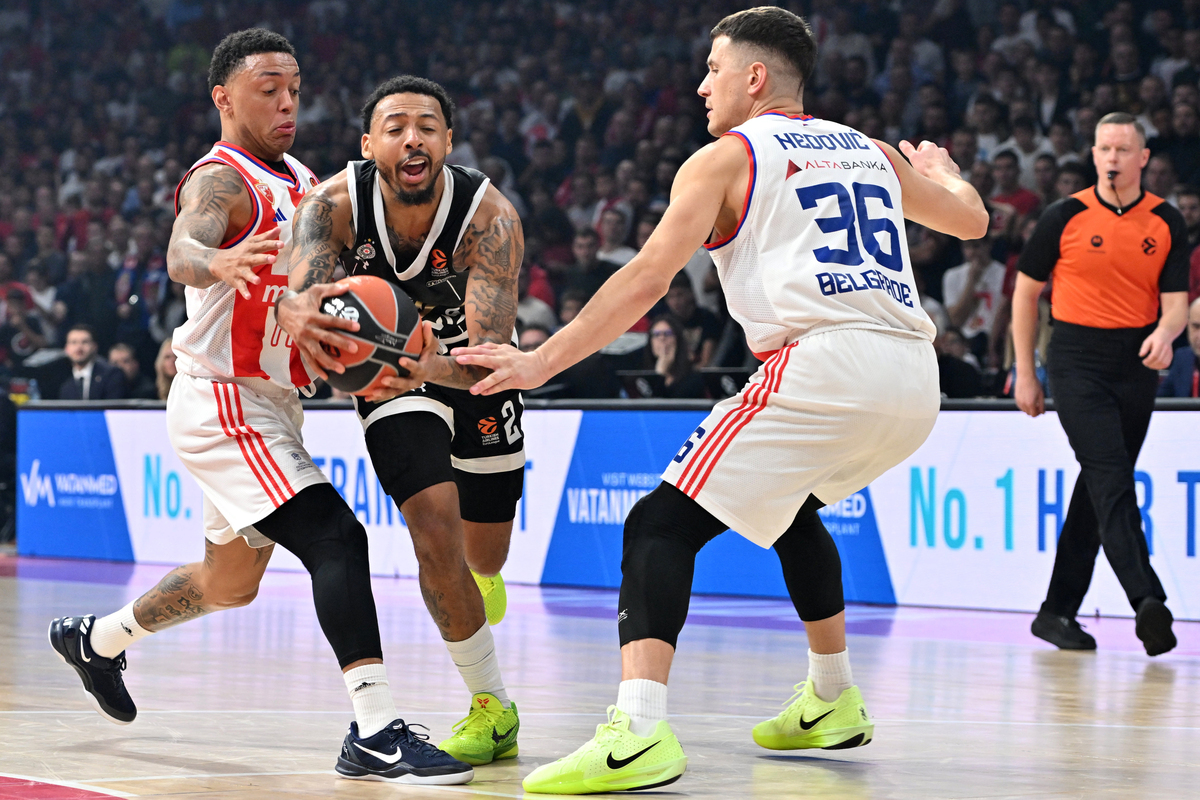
(81,491)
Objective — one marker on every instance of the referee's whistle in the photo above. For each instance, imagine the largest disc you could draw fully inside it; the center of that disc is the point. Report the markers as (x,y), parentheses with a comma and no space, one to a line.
(1112,173)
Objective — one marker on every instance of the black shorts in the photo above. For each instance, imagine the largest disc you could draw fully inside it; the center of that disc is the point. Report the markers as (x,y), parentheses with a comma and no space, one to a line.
(434,434)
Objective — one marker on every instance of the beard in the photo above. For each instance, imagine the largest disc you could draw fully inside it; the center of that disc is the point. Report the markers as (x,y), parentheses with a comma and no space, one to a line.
(416,197)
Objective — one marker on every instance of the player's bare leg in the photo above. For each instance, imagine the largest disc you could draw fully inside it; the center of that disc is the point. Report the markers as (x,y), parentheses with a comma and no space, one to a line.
(489,731)
(228,577)
(487,546)
(446,583)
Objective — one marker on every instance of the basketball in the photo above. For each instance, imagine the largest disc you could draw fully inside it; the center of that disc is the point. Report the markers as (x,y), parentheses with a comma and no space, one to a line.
(389,328)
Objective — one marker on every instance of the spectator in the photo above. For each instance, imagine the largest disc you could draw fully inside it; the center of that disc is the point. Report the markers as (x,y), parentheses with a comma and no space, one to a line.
(21,335)
(50,310)
(1159,178)
(1045,172)
(1188,201)
(137,385)
(667,355)
(614,229)
(532,337)
(1072,178)
(532,311)
(1007,171)
(164,369)
(1026,144)
(1183,378)
(572,302)
(958,372)
(972,292)
(589,272)
(701,328)
(91,378)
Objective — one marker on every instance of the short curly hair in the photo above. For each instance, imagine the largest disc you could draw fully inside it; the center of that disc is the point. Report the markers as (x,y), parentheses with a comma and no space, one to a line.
(408,84)
(230,55)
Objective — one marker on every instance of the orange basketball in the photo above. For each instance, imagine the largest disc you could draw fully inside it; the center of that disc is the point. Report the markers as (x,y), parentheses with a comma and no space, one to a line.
(389,328)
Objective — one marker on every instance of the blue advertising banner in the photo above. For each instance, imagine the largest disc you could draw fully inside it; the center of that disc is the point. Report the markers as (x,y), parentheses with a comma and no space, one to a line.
(69,499)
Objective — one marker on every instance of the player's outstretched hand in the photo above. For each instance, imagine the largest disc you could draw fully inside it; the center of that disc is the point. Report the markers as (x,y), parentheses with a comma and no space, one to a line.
(1029,395)
(1156,351)
(511,369)
(300,316)
(419,371)
(236,266)
(929,159)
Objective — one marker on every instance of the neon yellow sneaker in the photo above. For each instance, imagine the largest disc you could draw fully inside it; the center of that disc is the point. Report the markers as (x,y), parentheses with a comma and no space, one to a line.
(486,733)
(808,721)
(615,760)
(495,599)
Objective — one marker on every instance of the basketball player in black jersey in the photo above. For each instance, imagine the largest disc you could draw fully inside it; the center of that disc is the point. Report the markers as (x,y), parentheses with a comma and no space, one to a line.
(453,462)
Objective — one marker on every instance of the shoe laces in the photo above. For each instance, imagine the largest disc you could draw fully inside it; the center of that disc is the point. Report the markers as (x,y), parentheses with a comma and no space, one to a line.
(799,691)
(115,667)
(608,731)
(479,720)
(402,733)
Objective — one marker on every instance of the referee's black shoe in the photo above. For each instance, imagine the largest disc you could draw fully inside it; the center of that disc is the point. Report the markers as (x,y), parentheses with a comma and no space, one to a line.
(1153,626)
(71,639)
(1065,633)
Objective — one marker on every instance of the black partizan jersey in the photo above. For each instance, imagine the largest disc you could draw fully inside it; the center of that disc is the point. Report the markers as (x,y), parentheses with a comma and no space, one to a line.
(431,279)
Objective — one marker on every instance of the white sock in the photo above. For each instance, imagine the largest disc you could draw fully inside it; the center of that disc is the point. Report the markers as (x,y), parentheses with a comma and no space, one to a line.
(830,674)
(645,702)
(374,708)
(476,660)
(112,634)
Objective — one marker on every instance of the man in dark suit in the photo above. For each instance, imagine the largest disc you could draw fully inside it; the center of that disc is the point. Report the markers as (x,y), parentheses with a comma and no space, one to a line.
(91,378)
(1184,378)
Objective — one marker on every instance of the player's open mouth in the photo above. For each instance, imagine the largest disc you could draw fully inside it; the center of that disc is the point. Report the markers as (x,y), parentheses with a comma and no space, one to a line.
(414,170)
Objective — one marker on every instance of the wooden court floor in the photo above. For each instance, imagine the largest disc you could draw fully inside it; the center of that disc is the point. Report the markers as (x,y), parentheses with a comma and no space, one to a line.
(250,704)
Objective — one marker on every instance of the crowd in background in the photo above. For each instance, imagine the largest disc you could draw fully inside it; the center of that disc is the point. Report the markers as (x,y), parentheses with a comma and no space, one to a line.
(581,113)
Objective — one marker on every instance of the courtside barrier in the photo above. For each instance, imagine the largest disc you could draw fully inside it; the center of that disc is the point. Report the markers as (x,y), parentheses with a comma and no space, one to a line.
(970,520)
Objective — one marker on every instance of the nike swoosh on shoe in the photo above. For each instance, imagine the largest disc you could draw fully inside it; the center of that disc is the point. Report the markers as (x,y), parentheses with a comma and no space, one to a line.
(393,758)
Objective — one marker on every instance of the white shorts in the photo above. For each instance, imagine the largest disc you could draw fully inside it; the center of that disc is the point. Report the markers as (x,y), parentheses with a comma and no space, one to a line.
(824,416)
(243,446)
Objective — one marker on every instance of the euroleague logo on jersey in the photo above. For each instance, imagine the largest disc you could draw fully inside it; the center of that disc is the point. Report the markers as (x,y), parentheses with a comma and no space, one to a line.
(487,427)
(266,192)
(438,259)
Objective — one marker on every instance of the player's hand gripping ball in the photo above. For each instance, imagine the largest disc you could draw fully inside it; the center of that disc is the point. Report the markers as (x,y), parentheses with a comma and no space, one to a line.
(389,328)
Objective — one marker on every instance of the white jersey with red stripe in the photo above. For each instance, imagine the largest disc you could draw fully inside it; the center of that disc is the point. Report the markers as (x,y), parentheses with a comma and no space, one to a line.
(227,336)
(820,242)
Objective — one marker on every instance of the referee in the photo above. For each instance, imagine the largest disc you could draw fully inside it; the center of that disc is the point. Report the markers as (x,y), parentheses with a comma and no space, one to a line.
(1116,253)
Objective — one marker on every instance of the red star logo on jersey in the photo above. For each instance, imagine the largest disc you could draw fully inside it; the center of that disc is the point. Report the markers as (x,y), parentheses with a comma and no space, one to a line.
(792,169)
(265,191)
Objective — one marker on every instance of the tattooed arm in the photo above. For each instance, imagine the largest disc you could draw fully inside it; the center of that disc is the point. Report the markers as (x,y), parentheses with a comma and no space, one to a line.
(321,230)
(214,205)
(492,247)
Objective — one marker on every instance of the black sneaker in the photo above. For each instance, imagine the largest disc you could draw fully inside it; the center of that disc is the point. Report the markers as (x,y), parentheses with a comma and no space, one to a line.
(399,754)
(1062,632)
(71,639)
(1153,626)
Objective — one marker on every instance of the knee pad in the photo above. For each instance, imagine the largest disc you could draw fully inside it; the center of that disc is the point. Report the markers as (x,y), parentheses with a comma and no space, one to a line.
(663,533)
(812,566)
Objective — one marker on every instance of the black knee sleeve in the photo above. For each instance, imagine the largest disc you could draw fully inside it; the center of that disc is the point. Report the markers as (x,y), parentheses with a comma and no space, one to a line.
(663,533)
(812,567)
(319,528)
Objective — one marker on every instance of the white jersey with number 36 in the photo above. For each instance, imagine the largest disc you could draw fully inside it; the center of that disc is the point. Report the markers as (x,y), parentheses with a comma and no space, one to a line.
(821,239)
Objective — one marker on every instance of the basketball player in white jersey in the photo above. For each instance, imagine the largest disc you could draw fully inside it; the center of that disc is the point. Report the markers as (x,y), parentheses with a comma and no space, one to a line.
(805,221)
(234,419)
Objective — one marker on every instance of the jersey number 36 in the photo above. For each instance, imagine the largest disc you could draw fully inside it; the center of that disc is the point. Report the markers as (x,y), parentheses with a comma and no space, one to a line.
(845,221)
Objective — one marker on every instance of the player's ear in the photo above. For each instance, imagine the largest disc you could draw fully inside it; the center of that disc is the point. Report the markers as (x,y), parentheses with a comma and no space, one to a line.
(366,146)
(222,100)
(449,140)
